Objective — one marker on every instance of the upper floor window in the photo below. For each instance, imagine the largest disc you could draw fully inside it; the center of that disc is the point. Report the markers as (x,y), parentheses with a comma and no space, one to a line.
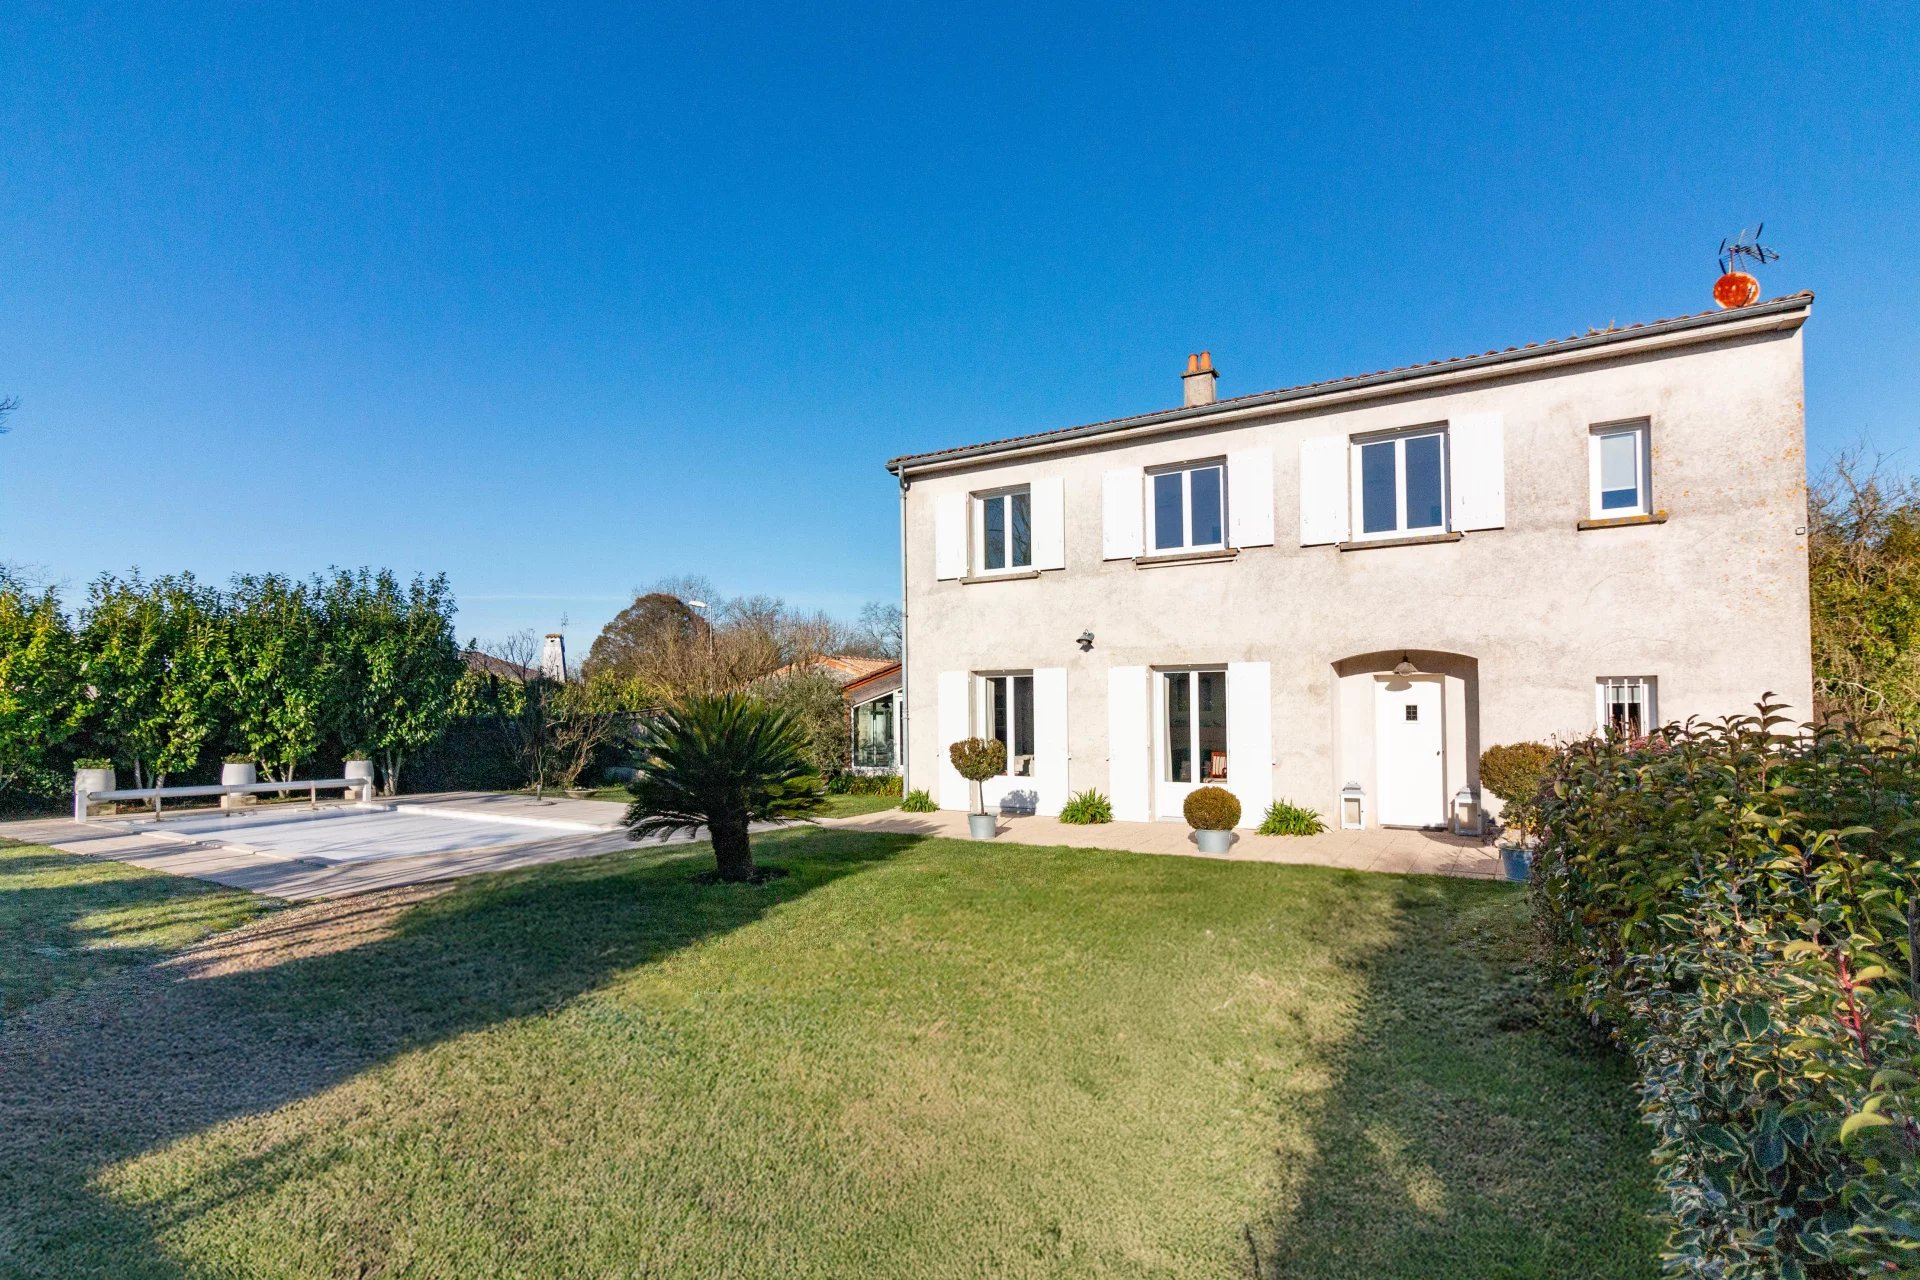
(1189,507)
(1626,706)
(1400,483)
(1003,530)
(1008,707)
(1617,466)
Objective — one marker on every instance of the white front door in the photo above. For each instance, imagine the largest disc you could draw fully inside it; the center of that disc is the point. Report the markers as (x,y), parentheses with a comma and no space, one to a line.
(1407,733)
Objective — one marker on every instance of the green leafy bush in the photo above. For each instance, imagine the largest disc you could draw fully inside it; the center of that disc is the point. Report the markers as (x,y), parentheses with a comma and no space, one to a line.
(918,801)
(1516,773)
(864,784)
(1285,819)
(1212,809)
(1086,808)
(93,762)
(236,758)
(1740,909)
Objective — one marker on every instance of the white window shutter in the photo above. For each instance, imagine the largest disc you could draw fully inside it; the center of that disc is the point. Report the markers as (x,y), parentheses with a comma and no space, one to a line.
(1050,739)
(1323,490)
(1250,738)
(1129,743)
(955,793)
(1477,461)
(950,536)
(1049,496)
(1250,498)
(1123,496)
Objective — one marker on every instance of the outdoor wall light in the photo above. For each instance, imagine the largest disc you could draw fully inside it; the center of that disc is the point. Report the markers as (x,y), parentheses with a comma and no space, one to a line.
(1405,666)
(1085,642)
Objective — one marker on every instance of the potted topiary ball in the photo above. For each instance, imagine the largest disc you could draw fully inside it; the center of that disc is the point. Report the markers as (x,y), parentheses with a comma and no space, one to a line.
(1517,772)
(1213,813)
(976,760)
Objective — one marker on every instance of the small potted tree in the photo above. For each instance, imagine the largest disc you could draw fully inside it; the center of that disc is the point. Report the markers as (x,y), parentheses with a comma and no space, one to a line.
(976,760)
(1213,813)
(1516,773)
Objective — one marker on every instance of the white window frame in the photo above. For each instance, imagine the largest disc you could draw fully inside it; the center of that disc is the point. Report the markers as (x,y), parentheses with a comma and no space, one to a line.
(1357,490)
(979,505)
(984,706)
(1150,527)
(1648,689)
(1640,429)
(1163,769)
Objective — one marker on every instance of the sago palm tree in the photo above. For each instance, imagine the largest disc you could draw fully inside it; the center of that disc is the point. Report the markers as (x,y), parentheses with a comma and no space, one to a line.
(721,761)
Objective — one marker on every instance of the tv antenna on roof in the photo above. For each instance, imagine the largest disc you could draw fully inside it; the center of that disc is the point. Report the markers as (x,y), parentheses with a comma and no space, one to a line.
(1735,287)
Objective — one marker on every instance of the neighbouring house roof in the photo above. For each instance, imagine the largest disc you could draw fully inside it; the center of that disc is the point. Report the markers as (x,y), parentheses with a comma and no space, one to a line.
(883,680)
(488,665)
(844,669)
(1786,312)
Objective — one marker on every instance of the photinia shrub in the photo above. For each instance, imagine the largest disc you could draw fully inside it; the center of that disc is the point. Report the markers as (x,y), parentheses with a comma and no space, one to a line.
(1740,908)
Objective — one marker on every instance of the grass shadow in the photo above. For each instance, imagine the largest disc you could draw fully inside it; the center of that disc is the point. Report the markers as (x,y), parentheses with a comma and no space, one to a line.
(315,995)
(1467,1133)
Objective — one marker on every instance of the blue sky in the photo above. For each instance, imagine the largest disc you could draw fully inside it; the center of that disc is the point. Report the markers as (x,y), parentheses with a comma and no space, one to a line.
(563,300)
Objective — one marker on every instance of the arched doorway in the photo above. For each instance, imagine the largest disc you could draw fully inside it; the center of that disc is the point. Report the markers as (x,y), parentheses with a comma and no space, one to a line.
(1407,732)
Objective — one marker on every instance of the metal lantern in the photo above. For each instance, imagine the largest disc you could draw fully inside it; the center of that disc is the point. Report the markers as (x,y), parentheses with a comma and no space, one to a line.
(1353,807)
(1467,819)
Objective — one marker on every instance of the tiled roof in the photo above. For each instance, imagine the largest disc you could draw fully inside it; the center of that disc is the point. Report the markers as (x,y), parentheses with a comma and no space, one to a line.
(1404,373)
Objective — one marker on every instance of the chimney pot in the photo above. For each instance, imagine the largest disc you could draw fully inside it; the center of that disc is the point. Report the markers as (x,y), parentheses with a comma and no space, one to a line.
(1198,381)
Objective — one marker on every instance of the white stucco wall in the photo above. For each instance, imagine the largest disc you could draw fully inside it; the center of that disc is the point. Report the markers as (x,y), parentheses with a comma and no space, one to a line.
(1713,603)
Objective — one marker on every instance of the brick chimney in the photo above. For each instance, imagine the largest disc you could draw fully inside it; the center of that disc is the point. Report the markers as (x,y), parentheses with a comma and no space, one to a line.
(1197,382)
(553,657)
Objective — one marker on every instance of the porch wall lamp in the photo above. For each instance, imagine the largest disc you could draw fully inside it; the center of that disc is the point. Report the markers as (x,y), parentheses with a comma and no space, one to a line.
(1405,666)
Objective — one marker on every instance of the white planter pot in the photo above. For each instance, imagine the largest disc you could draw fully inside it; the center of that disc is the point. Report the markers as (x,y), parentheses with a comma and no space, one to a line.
(242,774)
(86,780)
(359,769)
(982,826)
(1214,841)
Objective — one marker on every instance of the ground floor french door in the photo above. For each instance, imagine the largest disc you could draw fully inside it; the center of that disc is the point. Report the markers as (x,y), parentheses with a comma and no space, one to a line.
(1190,735)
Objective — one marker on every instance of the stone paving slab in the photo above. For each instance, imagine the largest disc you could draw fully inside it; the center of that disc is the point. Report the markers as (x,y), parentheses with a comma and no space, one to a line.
(1405,852)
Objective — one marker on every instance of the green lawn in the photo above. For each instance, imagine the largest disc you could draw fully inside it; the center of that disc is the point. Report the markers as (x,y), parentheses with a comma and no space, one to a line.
(910,1057)
(852,806)
(65,921)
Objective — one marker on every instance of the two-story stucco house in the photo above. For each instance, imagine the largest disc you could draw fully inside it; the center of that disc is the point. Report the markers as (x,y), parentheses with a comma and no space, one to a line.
(1340,594)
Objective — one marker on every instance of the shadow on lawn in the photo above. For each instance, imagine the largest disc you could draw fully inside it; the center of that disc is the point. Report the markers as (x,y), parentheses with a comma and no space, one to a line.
(59,929)
(304,1000)
(1463,1136)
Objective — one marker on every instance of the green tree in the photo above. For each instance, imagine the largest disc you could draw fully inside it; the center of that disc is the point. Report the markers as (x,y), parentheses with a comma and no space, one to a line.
(275,672)
(819,710)
(1864,565)
(149,663)
(393,660)
(39,677)
(721,761)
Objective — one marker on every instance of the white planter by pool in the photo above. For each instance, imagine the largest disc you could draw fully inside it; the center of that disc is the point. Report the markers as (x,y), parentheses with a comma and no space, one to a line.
(88,780)
(243,773)
(359,769)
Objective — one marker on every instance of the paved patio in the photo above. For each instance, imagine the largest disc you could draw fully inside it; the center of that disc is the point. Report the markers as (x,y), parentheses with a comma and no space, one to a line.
(1405,852)
(1393,850)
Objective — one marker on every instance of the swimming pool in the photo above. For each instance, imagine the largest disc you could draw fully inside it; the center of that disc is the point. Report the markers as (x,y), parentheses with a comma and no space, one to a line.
(357,834)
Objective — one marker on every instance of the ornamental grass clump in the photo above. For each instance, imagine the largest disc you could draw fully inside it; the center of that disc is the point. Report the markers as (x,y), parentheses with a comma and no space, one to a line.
(1212,809)
(918,801)
(1285,819)
(1087,808)
(1740,908)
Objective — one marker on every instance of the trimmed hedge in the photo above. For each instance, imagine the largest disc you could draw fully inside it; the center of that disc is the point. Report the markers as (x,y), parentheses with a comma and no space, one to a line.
(1740,909)
(864,784)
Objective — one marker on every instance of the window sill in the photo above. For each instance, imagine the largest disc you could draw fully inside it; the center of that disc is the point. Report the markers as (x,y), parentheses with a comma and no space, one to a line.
(1021,576)
(1184,557)
(1622,522)
(1418,540)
